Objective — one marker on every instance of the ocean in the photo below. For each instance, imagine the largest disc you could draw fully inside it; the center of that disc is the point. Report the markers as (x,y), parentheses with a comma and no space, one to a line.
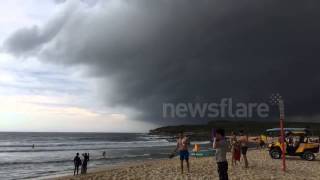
(53,153)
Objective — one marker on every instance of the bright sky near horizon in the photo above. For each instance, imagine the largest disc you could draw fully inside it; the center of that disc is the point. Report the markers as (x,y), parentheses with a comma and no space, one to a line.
(40,96)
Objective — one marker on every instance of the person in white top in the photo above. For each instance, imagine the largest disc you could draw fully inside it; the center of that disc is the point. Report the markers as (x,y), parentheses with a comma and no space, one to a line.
(220,145)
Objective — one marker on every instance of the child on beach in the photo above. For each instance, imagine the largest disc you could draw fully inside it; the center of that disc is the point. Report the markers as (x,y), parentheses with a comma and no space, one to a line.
(182,147)
(220,145)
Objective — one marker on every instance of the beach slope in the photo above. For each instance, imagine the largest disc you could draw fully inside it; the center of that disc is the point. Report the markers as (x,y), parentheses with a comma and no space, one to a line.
(261,167)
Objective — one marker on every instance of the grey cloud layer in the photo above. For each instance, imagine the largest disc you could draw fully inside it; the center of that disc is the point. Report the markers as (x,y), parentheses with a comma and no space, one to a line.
(172,51)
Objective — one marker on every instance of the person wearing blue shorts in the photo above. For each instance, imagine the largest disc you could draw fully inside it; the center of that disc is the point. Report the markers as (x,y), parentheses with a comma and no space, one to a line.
(182,147)
(184,155)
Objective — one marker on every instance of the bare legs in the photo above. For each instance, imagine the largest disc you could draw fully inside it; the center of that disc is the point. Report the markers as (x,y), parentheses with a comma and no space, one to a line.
(246,164)
(188,165)
(187,160)
(233,162)
(76,169)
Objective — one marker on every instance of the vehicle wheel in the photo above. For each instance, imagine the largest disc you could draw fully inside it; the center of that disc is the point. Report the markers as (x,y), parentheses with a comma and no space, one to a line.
(309,156)
(275,154)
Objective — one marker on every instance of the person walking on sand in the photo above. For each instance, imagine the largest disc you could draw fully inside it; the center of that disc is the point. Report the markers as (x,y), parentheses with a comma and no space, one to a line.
(85,163)
(244,147)
(220,145)
(235,149)
(77,163)
(182,147)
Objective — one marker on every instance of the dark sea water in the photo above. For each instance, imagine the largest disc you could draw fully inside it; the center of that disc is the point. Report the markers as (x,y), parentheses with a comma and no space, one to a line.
(54,152)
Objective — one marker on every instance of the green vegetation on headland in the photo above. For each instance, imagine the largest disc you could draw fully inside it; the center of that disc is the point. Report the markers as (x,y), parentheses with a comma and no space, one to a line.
(254,128)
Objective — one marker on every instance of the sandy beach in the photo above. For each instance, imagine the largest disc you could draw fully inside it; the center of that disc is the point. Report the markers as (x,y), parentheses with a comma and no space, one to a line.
(261,167)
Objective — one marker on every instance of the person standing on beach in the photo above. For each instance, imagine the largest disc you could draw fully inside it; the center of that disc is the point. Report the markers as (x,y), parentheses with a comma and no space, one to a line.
(235,149)
(77,163)
(220,145)
(244,147)
(182,147)
(85,163)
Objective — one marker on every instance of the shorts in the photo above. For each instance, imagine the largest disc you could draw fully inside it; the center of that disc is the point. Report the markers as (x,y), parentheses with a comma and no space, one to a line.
(244,150)
(184,155)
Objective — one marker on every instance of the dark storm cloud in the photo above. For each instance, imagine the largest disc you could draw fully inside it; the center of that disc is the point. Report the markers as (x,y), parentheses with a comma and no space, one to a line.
(151,52)
(29,40)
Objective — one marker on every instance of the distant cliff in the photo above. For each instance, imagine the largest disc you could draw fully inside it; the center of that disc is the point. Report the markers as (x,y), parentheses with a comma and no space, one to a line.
(254,128)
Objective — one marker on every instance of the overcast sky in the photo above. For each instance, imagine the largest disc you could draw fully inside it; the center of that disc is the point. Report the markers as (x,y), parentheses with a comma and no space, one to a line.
(90,65)
(38,94)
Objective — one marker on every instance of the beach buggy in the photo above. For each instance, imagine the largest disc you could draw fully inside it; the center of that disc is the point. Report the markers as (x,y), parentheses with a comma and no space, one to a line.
(298,143)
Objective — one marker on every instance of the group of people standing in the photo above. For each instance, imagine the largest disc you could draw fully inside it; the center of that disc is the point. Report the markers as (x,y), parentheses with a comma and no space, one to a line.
(239,146)
(83,163)
(220,145)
